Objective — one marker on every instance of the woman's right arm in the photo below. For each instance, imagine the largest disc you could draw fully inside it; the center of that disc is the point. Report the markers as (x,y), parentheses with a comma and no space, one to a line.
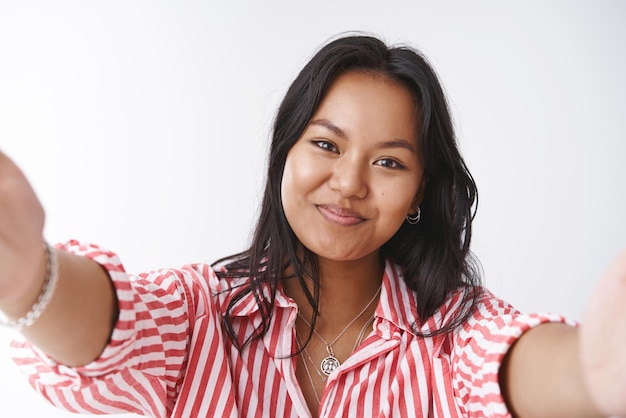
(77,323)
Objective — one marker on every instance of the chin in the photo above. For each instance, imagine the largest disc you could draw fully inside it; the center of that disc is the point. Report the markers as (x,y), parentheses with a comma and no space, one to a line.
(343,256)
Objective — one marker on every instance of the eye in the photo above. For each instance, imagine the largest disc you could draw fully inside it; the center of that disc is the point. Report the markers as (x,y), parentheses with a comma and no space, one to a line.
(390,163)
(325,145)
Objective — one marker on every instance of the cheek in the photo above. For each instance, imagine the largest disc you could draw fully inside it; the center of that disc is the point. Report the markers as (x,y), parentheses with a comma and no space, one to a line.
(300,176)
(398,197)
(295,189)
(396,210)
(294,184)
(286,184)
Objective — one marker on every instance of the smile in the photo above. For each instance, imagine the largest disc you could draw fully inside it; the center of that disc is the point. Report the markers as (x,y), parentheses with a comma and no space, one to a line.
(340,216)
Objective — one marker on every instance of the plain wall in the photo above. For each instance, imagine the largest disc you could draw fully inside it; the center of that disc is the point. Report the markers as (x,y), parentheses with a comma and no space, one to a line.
(143,126)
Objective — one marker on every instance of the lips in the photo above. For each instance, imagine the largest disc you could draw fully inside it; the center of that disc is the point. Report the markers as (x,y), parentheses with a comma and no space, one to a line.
(340,216)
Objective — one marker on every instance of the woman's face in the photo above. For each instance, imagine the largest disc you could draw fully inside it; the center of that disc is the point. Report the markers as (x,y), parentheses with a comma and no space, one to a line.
(356,171)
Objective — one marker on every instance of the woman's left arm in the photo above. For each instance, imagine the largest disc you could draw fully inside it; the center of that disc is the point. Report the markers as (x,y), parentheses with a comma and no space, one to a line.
(556,370)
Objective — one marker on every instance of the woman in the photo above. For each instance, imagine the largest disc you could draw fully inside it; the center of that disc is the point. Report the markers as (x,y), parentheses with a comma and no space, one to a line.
(357,297)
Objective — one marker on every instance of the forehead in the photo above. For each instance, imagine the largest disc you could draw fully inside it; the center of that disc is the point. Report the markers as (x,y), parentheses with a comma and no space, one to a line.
(361,102)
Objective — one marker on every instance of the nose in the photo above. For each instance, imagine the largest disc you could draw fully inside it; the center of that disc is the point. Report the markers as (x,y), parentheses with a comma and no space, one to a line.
(349,178)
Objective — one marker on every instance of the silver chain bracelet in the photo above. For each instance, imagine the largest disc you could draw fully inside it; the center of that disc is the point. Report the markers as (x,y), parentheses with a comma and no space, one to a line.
(49,286)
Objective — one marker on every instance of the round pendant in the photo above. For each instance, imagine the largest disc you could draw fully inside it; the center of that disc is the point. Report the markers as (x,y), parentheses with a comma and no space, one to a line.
(329,364)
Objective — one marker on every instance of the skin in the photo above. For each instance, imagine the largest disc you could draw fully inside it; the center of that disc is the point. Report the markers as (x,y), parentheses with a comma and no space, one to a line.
(356,172)
(349,182)
(83,307)
(603,338)
(343,198)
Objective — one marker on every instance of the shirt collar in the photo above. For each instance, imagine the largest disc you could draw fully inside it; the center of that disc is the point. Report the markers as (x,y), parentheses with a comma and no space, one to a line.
(397,302)
(247,306)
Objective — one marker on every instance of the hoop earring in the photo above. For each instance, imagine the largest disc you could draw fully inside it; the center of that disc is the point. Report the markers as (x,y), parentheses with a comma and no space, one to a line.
(413,219)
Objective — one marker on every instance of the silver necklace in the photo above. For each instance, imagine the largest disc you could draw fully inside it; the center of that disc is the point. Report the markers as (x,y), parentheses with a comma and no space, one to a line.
(308,373)
(358,341)
(330,363)
(361,336)
(323,376)
(302,348)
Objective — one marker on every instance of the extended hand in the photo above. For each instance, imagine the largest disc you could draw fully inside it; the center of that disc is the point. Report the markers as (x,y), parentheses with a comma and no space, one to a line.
(603,341)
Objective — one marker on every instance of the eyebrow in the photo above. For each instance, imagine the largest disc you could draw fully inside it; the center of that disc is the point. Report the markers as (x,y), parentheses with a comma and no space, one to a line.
(397,143)
(394,143)
(330,126)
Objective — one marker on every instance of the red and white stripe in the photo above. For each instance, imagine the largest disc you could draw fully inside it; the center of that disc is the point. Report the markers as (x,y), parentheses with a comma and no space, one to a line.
(169,355)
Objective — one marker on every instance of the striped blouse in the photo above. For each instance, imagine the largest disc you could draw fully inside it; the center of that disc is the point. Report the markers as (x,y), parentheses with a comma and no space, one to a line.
(169,355)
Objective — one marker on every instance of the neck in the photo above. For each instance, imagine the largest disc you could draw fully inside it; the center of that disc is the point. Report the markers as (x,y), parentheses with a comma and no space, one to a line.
(346,287)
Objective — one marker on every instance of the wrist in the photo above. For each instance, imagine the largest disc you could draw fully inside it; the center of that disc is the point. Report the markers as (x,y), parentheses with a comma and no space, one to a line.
(25,305)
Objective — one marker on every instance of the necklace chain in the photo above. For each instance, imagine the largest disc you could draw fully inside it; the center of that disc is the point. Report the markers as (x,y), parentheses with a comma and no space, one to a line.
(308,356)
(302,348)
(358,341)
(329,344)
(308,373)
(330,362)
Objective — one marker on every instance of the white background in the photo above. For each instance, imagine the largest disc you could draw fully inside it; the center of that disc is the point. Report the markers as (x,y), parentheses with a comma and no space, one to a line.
(143,127)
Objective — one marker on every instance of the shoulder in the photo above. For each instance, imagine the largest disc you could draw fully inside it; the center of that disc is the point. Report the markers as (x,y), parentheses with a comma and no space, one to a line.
(494,325)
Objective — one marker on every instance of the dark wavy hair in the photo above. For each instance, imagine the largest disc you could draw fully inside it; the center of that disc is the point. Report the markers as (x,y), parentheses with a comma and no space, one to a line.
(434,254)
